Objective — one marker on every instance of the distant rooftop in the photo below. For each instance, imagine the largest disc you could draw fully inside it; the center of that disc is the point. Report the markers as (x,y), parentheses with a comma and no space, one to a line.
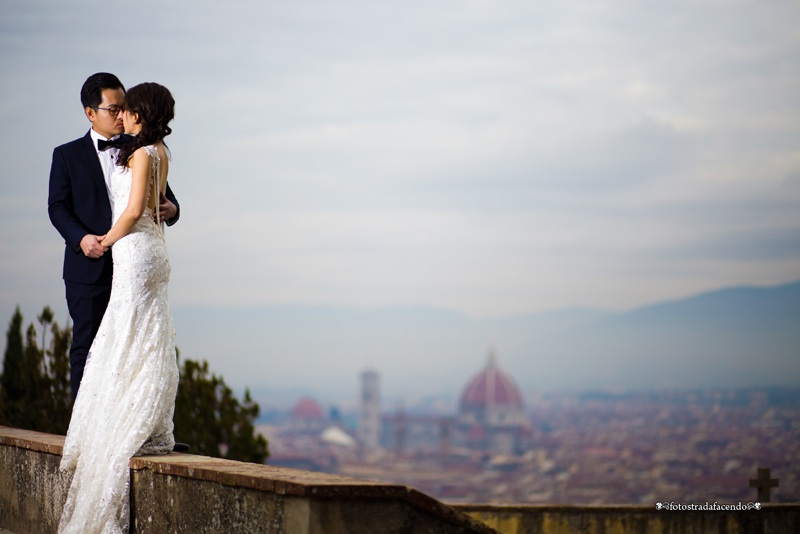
(491,388)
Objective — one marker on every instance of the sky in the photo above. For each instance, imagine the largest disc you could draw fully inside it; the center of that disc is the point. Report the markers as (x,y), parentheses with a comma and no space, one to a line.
(490,158)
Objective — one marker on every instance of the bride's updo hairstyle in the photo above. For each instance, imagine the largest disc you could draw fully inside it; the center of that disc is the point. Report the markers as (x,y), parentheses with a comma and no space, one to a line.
(156,108)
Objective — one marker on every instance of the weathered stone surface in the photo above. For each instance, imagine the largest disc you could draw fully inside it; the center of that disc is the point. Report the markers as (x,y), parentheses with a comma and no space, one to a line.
(32,490)
(771,518)
(189,493)
(33,441)
(167,503)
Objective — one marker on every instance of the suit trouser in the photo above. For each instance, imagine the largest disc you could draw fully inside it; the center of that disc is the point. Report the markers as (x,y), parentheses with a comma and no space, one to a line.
(87,304)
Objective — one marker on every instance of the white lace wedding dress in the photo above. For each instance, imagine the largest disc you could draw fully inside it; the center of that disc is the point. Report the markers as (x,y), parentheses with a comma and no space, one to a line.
(127,396)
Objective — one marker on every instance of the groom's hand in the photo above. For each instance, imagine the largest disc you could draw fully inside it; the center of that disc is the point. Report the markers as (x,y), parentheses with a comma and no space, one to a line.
(166,209)
(91,247)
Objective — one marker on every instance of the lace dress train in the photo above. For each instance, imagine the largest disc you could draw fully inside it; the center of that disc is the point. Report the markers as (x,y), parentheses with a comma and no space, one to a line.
(126,400)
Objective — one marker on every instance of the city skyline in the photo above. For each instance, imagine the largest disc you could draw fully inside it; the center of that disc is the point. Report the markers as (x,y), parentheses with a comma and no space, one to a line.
(595,449)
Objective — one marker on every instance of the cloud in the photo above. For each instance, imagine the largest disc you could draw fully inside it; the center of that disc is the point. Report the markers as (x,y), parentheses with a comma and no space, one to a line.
(488,158)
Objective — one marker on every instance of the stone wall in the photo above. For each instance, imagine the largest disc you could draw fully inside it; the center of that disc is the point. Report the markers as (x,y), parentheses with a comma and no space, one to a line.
(198,494)
(770,519)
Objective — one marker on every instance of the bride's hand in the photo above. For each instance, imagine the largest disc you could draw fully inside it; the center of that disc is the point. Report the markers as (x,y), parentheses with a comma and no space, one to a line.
(92,246)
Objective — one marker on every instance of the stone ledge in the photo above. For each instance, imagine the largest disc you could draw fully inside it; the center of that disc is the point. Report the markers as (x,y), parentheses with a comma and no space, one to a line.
(612,509)
(633,519)
(31,440)
(191,493)
(286,481)
(338,491)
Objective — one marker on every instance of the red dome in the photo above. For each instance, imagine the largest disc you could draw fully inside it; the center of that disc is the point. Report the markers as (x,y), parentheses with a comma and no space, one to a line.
(491,388)
(307,408)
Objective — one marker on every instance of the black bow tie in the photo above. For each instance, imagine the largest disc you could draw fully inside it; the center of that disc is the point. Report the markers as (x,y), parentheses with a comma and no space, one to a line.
(115,143)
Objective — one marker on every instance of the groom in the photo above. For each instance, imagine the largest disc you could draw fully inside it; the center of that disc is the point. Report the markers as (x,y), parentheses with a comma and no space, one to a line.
(79,208)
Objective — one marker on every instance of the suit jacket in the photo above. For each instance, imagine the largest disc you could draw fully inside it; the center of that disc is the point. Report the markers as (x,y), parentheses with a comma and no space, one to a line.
(78,205)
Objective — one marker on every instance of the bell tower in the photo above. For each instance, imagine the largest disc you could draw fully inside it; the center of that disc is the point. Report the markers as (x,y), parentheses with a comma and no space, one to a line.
(370,415)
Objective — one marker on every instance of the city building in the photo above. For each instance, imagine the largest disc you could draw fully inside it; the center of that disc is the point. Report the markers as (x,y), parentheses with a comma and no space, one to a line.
(491,417)
(370,415)
(491,413)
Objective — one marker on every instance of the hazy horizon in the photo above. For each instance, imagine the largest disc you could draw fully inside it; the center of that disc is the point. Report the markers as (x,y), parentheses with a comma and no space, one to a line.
(737,337)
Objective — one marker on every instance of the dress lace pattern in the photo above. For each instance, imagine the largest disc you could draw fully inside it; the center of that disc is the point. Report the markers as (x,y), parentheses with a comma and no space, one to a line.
(126,400)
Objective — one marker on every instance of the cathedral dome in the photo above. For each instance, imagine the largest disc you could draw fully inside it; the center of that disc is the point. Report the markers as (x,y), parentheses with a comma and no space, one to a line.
(307,409)
(490,389)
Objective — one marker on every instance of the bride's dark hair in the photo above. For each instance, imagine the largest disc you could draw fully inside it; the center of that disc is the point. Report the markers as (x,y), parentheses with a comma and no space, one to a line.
(156,107)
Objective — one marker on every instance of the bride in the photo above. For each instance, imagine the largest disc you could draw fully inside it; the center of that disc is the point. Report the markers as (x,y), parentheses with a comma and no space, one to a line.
(127,396)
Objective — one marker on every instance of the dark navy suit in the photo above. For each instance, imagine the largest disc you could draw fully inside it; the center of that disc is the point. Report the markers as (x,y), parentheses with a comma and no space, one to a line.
(78,205)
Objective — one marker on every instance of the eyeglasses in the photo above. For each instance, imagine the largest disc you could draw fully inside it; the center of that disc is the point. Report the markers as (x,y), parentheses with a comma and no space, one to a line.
(112,110)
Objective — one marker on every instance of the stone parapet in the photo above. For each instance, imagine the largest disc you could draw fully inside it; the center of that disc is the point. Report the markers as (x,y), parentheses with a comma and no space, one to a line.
(198,494)
(191,493)
(769,519)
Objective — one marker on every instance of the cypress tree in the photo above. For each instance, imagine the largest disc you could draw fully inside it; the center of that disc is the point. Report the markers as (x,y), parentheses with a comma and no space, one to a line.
(59,397)
(34,410)
(11,387)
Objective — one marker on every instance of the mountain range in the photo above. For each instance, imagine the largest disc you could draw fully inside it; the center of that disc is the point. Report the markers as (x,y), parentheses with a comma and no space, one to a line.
(734,337)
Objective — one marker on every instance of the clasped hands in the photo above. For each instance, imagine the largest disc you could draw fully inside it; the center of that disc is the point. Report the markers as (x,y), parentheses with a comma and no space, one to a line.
(92,245)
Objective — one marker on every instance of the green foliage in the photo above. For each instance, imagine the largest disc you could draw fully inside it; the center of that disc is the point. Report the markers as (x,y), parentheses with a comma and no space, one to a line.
(34,387)
(35,394)
(58,392)
(210,418)
(11,390)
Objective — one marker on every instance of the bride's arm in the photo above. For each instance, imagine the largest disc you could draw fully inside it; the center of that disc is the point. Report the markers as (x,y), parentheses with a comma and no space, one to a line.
(140,184)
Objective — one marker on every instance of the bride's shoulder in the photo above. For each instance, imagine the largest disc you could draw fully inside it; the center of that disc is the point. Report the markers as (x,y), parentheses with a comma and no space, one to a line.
(157,151)
(141,152)
(151,150)
(147,152)
(143,157)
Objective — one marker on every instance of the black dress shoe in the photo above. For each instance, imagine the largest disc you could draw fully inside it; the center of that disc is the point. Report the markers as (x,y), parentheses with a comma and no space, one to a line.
(180,447)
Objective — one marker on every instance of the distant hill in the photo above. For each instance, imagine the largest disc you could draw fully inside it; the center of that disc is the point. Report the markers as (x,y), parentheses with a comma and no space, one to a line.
(743,336)
(733,337)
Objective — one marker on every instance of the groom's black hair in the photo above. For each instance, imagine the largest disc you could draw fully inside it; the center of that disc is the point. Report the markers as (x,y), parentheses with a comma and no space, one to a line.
(92,90)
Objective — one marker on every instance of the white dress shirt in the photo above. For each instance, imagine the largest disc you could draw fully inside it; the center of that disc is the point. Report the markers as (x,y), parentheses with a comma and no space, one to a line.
(108,159)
